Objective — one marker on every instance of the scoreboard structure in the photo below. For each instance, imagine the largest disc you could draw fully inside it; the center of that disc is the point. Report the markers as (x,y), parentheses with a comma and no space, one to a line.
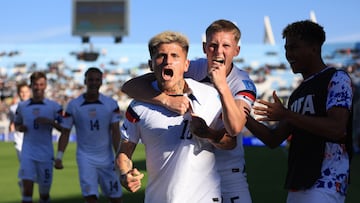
(100,18)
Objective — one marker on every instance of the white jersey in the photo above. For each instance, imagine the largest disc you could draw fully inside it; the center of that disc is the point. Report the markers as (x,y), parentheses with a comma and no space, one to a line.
(92,122)
(177,170)
(230,163)
(37,143)
(18,136)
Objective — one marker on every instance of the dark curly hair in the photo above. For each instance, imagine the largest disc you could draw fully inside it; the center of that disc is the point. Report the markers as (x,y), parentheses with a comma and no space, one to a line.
(306,30)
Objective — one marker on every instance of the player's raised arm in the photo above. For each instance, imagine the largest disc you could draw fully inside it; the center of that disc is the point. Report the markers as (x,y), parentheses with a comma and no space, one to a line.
(135,88)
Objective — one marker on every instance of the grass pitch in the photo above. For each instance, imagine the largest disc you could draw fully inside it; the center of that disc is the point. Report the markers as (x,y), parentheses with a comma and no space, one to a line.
(266,171)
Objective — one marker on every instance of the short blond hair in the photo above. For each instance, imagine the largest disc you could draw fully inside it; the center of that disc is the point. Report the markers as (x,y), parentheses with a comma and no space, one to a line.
(223,25)
(168,37)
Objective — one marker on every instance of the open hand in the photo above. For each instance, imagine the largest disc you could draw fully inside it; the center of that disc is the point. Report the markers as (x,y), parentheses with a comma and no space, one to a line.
(270,111)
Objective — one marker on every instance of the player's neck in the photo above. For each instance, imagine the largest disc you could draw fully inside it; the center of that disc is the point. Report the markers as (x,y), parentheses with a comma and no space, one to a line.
(37,98)
(91,96)
(178,90)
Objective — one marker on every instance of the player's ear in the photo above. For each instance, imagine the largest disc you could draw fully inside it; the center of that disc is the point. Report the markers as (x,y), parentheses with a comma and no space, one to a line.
(204,47)
(187,63)
(150,65)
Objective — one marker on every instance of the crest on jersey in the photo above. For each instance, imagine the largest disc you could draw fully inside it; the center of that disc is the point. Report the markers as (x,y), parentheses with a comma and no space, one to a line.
(36,111)
(92,113)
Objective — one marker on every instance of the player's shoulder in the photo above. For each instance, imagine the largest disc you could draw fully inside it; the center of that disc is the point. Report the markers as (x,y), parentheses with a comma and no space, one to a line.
(105,97)
(77,100)
(199,62)
(236,71)
(51,102)
(136,109)
(197,69)
(341,75)
(140,106)
(24,103)
(241,78)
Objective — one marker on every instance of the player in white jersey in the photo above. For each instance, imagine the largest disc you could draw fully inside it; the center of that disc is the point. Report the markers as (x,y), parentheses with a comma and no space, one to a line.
(36,118)
(96,119)
(230,163)
(23,93)
(237,92)
(181,167)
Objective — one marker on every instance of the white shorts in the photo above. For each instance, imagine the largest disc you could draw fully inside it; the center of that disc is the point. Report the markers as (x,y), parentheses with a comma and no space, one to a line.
(238,197)
(234,186)
(40,172)
(92,176)
(314,196)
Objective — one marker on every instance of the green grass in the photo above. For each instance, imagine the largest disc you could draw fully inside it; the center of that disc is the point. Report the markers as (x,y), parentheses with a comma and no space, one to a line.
(266,170)
(65,187)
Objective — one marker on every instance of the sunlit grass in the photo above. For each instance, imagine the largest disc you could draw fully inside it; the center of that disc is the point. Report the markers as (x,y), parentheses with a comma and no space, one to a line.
(266,171)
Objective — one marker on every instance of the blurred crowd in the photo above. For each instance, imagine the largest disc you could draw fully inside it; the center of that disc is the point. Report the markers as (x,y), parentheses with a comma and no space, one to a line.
(63,86)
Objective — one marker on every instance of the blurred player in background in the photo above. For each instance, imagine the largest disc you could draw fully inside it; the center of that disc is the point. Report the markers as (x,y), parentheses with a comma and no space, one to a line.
(23,94)
(96,119)
(36,118)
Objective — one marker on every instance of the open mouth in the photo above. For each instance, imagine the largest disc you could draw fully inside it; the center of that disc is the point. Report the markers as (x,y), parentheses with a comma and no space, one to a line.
(168,74)
(219,60)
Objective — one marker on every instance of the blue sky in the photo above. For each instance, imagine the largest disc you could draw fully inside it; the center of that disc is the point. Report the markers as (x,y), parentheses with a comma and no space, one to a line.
(49,21)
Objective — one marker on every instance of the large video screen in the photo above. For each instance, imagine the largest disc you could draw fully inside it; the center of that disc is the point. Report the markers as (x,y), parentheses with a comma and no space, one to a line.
(100,18)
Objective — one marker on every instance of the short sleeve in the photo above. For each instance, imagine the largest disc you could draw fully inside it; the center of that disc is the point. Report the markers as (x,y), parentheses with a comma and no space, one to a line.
(339,91)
